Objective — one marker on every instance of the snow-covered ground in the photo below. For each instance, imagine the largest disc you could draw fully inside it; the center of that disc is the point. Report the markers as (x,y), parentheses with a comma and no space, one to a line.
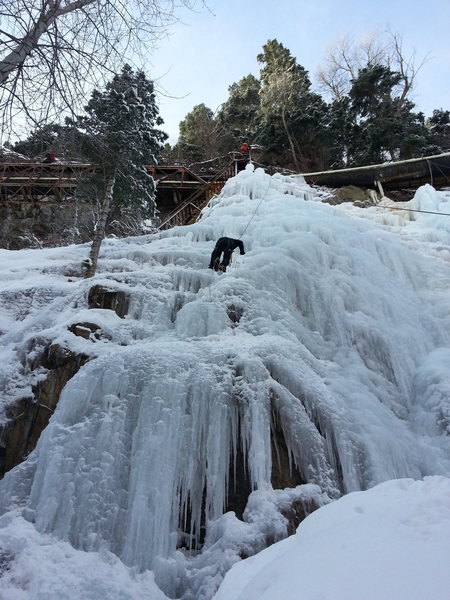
(336,319)
(391,543)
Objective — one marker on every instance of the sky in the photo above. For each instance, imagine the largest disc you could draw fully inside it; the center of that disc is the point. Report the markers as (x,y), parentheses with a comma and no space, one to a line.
(214,46)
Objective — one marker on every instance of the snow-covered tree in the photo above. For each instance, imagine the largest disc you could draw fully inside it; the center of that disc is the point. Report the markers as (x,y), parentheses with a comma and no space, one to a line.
(439,131)
(383,122)
(52,137)
(118,134)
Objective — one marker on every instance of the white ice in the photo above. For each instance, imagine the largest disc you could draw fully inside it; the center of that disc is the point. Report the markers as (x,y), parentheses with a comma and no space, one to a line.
(336,319)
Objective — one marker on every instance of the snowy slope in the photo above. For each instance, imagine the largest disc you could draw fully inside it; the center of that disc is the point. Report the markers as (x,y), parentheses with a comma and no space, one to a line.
(391,543)
(343,333)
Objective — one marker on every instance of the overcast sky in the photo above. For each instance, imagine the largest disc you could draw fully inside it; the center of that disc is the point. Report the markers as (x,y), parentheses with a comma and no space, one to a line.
(208,50)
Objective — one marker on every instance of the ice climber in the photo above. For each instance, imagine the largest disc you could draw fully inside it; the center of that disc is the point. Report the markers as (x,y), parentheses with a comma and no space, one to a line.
(226,246)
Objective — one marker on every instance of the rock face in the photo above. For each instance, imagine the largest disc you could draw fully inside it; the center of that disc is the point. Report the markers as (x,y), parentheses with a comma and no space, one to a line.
(101,297)
(29,416)
(88,331)
(352,193)
(47,223)
(284,472)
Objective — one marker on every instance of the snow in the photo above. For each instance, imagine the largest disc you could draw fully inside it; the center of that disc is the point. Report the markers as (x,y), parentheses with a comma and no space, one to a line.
(36,566)
(391,542)
(335,320)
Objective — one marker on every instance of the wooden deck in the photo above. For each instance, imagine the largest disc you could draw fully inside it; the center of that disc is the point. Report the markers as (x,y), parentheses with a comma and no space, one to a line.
(170,177)
(191,207)
(33,181)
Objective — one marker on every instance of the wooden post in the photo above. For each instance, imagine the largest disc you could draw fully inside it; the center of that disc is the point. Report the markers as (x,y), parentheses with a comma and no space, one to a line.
(380,188)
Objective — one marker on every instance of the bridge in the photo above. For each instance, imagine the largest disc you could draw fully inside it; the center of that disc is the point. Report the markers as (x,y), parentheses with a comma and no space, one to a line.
(181,193)
(34,181)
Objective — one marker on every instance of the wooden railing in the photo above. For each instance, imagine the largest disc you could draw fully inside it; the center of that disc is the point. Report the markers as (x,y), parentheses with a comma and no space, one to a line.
(36,180)
(198,200)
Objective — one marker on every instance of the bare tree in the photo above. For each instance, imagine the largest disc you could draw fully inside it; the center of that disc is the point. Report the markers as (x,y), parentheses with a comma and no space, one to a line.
(53,52)
(347,56)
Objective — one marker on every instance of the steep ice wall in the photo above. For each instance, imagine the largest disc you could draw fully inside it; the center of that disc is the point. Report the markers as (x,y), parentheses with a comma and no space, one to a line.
(326,330)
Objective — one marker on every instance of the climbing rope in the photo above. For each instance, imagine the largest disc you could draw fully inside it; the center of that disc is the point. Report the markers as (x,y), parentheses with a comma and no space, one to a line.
(431,172)
(259,204)
(428,212)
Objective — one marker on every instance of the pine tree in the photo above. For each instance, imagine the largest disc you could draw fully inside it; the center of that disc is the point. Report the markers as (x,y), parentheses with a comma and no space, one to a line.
(292,115)
(42,140)
(118,134)
(438,126)
(384,125)
(239,117)
(198,135)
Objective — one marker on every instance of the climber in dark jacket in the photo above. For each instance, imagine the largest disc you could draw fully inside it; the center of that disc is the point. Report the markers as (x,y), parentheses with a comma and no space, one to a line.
(226,246)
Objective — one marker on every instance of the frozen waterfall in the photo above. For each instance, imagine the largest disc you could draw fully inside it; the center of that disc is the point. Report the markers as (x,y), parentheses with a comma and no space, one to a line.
(331,334)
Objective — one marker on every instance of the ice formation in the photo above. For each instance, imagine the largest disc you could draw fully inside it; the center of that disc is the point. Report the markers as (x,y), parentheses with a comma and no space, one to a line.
(332,325)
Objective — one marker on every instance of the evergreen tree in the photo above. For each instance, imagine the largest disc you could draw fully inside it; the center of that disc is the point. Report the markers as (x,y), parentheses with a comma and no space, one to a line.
(340,130)
(118,134)
(52,137)
(438,126)
(239,117)
(292,115)
(198,135)
(384,125)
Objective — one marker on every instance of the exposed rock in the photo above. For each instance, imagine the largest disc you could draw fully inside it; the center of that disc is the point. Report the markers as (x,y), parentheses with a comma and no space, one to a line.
(116,300)
(297,512)
(88,331)
(352,193)
(234,313)
(58,220)
(239,486)
(44,223)
(284,472)
(27,418)
(403,195)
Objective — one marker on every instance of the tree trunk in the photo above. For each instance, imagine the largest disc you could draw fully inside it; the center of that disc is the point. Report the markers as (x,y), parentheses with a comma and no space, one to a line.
(290,140)
(100,229)
(30,41)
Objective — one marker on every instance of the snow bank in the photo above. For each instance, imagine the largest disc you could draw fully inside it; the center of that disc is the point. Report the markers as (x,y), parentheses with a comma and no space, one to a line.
(36,566)
(391,543)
